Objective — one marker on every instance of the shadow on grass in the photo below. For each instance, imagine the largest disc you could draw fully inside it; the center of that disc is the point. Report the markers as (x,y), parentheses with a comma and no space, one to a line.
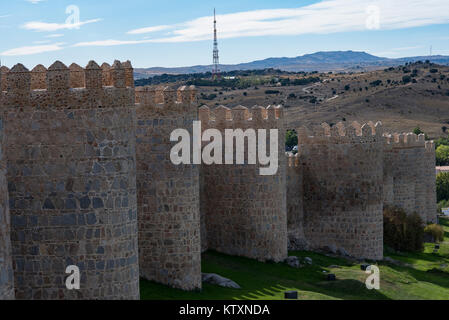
(434,276)
(262,281)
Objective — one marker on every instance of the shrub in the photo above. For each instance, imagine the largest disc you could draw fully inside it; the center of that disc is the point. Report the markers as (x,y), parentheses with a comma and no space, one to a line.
(291,139)
(436,231)
(443,204)
(406,79)
(442,154)
(441,142)
(271,92)
(443,186)
(403,232)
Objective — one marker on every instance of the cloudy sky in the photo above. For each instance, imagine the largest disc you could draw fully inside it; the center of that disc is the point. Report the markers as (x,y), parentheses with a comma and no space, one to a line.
(179,33)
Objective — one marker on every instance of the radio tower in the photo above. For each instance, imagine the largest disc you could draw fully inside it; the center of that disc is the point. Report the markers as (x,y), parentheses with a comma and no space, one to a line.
(216,70)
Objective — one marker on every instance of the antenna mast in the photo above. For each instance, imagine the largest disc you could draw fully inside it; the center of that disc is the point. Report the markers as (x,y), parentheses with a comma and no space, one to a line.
(216,60)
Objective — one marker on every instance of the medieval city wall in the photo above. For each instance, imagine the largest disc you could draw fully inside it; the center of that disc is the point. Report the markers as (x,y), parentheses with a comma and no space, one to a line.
(71,177)
(429,182)
(413,174)
(168,194)
(6,271)
(295,205)
(245,212)
(343,196)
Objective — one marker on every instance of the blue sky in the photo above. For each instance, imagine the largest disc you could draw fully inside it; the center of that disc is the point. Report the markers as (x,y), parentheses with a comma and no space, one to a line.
(179,33)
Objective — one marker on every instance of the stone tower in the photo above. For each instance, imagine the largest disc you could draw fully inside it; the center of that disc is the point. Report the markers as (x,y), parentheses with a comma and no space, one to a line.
(429,182)
(410,174)
(245,212)
(295,204)
(70,149)
(342,183)
(6,272)
(168,194)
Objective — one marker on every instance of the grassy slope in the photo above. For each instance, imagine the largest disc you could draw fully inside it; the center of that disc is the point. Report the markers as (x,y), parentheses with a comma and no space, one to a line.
(425,276)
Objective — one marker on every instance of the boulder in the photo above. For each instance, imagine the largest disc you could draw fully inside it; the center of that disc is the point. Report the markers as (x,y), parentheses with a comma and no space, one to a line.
(293,262)
(215,279)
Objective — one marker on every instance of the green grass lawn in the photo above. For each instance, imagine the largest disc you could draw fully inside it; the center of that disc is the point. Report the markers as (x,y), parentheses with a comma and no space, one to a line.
(424,276)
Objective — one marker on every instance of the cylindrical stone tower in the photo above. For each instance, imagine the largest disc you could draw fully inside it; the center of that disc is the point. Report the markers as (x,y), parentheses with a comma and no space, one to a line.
(6,272)
(295,206)
(343,196)
(406,157)
(71,178)
(430,183)
(168,194)
(245,211)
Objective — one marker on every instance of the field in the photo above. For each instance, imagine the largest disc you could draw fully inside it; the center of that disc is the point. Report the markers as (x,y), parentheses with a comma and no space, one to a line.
(411,276)
(403,98)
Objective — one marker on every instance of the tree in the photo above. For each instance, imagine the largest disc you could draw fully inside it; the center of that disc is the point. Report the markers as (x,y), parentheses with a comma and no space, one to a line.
(442,154)
(417,131)
(291,139)
(443,186)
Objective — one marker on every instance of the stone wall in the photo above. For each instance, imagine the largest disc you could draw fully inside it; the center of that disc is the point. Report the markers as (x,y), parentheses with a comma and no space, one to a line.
(6,271)
(429,183)
(245,212)
(343,196)
(295,206)
(412,171)
(168,194)
(71,180)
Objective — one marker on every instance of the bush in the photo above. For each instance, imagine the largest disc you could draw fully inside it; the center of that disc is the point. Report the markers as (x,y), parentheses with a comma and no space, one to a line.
(271,92)
(442,154)
(443,186)
(403,232)
(443,204)
(406,79)
(436,231)
(442,142)
(291,139)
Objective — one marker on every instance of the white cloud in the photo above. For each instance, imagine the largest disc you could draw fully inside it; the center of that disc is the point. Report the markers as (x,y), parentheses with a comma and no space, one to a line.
(29,50)
(35,1)
(149,29)
(325,17)
(55,35)
(41,41)
(49,27)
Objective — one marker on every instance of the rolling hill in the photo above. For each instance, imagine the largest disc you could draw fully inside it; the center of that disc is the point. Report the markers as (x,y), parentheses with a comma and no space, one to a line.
(337,61)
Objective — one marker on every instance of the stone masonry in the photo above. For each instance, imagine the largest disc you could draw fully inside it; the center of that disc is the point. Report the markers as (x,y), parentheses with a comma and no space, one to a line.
(342,172)
(71,178)
(245,212)
(168,195)
(86,179)
(6,272)
(295,204)
(410,175)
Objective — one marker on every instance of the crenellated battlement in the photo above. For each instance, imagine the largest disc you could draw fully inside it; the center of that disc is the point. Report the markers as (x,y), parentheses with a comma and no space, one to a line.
(292,160)
(166,99)
(404,140)
(240,116)
(72,87)
(339,133)
(430,146)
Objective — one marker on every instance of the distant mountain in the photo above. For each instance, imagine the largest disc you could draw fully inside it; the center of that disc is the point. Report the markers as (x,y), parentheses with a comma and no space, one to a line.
(320,61)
